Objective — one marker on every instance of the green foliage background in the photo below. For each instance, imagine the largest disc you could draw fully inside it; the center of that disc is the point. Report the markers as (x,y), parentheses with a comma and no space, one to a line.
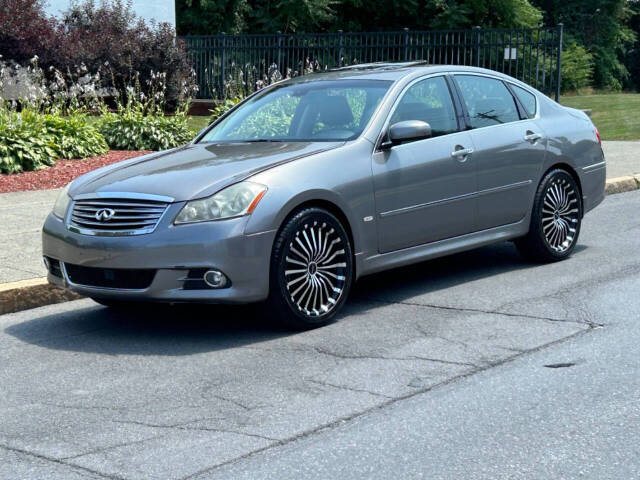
(601,42)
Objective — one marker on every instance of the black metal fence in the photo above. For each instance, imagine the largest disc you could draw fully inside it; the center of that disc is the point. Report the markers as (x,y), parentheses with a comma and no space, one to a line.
(226,64)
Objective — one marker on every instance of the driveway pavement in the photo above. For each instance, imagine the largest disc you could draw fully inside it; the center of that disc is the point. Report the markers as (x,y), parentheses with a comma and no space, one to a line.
(22,215)
(215,392)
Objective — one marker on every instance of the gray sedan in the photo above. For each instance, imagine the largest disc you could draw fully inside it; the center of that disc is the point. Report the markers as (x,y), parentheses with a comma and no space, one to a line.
(318,180)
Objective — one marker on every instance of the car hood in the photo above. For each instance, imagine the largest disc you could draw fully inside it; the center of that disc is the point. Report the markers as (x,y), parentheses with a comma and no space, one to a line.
(194,171)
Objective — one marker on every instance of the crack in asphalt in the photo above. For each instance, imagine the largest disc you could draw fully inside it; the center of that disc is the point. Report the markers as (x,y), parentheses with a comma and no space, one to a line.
(60,462)
(110,447)
(346,418)
(184,426)
(488,312)
(344,387)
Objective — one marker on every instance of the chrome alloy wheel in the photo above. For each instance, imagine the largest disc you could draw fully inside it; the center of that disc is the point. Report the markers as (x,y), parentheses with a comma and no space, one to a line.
(315,268)
(560,214)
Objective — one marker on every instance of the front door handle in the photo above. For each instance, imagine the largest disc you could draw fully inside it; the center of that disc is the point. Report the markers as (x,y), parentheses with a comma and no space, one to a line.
(460,153)
(532,137)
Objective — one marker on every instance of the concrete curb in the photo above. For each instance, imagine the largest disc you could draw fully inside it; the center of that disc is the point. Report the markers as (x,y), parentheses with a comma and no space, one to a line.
(37,292)
(622,184)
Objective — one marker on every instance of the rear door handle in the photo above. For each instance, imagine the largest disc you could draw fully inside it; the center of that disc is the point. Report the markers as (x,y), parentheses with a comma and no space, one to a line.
(532,137)
(461,153)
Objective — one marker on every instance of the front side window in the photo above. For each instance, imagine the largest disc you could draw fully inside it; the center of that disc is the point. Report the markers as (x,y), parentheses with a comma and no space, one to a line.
(310,111)
(527,99)
(488,101)
(429,101)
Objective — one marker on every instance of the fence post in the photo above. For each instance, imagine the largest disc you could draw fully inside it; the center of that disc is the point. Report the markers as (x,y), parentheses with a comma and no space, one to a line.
(279,54)
(406,44)
(559,63)
(477,38)
(223,71)
(340,47)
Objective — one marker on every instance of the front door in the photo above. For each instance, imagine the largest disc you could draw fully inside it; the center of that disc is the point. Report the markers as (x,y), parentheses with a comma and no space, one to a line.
(425,190)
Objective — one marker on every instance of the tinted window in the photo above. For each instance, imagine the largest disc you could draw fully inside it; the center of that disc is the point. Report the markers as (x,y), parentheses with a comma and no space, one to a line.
(527,99)
(318,111)
(430,101)
(488,101)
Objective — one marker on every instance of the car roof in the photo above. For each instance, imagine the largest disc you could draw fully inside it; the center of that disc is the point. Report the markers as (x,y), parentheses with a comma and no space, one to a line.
(390,71)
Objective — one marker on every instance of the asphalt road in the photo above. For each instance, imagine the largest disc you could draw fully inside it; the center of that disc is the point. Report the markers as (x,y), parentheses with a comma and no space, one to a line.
(434,371)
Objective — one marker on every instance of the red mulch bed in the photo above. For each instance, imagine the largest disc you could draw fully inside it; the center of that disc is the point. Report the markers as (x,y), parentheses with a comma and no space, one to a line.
(61,173)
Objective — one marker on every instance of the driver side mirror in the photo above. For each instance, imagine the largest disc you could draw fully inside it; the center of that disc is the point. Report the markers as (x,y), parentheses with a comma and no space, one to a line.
(407,131)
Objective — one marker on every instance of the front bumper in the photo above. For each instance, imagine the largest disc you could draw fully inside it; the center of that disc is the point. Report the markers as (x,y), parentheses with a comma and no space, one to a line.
(172,251)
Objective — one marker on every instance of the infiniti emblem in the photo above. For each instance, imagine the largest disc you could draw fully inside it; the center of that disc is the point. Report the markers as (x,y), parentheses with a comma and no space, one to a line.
(105,214)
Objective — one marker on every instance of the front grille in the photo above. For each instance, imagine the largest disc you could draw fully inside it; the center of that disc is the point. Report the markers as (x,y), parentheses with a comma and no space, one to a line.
(116,216)
(124,278)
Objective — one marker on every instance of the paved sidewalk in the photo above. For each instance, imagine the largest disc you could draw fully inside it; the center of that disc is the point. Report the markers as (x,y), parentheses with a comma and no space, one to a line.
(22,215)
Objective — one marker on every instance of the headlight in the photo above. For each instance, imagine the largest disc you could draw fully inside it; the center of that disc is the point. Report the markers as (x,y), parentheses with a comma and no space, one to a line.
(234,201)
(62,203)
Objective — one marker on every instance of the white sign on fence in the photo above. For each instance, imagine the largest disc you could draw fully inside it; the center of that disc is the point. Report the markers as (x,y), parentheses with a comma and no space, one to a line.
(510,53)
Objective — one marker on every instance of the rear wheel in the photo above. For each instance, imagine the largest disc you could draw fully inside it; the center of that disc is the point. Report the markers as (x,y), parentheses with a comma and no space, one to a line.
(555,220)
(311,269)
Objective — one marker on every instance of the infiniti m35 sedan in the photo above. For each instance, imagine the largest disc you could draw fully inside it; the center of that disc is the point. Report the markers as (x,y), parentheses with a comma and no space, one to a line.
(315,181)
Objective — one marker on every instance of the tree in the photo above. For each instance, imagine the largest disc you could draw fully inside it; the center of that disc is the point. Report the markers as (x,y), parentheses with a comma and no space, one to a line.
(600,26)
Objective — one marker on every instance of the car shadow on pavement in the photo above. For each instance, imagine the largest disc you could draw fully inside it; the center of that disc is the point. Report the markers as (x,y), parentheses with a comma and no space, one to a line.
(155,329)
(188,329)
(444,273)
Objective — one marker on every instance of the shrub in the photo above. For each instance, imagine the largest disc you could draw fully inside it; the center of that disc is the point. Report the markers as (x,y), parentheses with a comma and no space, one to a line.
(26,31)
(577,67)
(32,141)
(25,143)
(107,40)
(132,130)
(223,107)
(111,38)
(74,138)
(139,122)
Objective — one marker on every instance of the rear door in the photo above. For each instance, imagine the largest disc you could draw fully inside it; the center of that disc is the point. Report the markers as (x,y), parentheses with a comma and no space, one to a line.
(424,190)
(509,148)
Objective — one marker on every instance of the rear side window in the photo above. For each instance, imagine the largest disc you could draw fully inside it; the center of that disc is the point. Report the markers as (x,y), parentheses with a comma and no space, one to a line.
(527,99)
(488,101)
(428,100)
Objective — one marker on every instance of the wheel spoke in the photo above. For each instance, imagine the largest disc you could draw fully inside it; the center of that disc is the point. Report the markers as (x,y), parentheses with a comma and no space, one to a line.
(315,268)
(558,214)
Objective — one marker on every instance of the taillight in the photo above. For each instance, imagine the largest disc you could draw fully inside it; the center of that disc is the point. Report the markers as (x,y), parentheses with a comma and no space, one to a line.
(598,135)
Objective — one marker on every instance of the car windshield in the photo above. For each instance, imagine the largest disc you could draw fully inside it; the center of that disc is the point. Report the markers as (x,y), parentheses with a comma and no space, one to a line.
(319,111)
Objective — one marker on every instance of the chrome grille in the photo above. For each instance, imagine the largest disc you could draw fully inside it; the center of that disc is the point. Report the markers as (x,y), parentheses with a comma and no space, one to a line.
(116,216)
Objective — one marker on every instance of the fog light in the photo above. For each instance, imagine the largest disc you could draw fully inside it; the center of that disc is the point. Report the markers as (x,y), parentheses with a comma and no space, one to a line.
(215,279)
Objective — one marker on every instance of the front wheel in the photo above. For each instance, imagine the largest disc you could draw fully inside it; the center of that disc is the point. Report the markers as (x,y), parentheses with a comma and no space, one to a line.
(555,220)
(311,269)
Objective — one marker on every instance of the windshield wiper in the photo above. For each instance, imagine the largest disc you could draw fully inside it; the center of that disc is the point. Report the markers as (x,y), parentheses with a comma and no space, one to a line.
(262,140)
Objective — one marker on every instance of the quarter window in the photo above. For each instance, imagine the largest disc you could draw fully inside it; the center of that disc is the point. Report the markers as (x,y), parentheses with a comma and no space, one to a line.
(488,101)
(430,101)
(527,99)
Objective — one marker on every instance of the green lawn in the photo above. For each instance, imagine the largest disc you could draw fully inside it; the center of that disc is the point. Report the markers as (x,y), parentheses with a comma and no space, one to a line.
(617,115)
(198,123)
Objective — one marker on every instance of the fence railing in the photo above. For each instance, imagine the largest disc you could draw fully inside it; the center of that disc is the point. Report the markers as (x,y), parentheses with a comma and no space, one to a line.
(227,62)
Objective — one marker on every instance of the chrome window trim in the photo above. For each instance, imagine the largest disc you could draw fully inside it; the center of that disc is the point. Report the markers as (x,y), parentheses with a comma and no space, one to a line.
(396,102)
(504,80)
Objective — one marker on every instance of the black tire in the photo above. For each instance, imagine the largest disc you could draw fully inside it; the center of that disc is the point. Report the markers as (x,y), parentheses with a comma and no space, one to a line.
(555,220)
(313,240)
